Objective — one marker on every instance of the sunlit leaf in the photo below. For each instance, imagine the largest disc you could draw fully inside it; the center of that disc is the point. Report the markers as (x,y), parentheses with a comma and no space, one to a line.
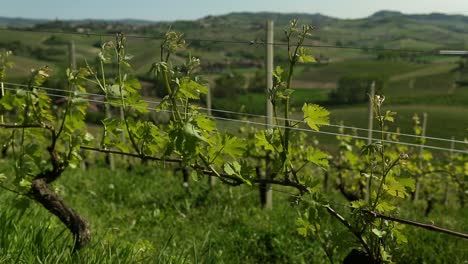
(315,116)
(317,157)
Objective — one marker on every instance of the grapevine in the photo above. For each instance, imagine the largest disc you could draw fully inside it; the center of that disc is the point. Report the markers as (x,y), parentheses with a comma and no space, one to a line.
(43,144)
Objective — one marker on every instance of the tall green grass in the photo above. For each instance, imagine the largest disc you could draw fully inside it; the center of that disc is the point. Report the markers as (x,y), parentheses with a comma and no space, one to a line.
(143,214)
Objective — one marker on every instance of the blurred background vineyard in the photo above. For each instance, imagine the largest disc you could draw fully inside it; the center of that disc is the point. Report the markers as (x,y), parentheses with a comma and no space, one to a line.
(398,51)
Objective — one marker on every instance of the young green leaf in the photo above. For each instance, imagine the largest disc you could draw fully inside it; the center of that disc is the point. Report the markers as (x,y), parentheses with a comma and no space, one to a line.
(378,233)
(25,184)
(315,116)
(234,168)
(390,116)
(317,157)
(358,203)
(2,177)
(191,89)
(304,57)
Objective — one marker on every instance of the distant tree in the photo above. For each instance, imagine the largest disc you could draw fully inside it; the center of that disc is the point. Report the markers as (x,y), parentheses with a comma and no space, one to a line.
(462,70)
(257,83)
(245,54)
(17,47)
(354,89)
(56,40)
(388,55)
(229,84)
(462,65)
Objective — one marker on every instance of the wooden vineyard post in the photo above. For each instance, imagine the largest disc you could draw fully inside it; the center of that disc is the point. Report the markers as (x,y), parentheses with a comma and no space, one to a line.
(447,177)
(72,61)
(72,55)
(370,132)
(109,156)
(211,180)
(266,195)
(1,96)
(421,150)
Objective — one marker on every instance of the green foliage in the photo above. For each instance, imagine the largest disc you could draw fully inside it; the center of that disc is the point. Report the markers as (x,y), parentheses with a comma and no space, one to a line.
(160,222)
(5,64)
(315,116)
(56,40)
(49,54)
(32,107)
(354,89)
(46,142)
(257,84)
(304,56)
(317,157)
(229,84)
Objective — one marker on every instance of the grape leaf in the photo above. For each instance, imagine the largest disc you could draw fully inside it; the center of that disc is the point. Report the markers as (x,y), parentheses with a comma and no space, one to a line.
(304,57)
(317,157)
(233,146)
(191,89)
(233,168)
(262,141)
(315,116)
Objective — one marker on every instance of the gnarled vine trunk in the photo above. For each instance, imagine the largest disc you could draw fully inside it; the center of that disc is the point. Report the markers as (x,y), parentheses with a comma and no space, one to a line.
(77,225)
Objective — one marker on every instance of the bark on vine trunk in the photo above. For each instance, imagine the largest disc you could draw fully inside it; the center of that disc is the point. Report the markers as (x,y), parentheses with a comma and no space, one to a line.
(77,225)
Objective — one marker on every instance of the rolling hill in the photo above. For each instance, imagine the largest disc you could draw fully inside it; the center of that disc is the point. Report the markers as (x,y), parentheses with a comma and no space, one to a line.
(223,44)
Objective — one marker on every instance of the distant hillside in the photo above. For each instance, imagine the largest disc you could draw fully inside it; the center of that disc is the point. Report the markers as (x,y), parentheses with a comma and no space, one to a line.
(19,22)
(384,29)
(261,17)
(389,29)
(225,44)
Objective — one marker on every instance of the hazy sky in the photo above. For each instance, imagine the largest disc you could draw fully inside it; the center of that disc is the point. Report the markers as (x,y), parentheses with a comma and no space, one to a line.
(192,9)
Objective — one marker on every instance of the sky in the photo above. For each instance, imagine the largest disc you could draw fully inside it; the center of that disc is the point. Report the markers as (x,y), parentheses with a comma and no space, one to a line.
(169,10)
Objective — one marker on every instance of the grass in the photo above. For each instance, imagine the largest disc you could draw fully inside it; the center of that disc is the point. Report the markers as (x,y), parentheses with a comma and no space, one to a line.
(23,67)
(432,69)
(145,215)
(302,96)
(412,44)
(333,71)
(32,236)
(252,103)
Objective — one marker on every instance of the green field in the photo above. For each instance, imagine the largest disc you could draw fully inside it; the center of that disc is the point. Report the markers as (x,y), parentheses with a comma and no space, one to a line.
(443,121)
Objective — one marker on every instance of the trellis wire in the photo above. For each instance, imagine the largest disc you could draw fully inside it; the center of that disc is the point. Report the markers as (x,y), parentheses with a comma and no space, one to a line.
(259,116)
(280,126)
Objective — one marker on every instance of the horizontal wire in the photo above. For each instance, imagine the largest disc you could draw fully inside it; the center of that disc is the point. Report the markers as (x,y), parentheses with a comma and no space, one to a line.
(88,34)
(92,100)
(347,135)
(132,36)
(343,126)
(246,42)
(263,116)
(291,128)
(280,126)
(52,89)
